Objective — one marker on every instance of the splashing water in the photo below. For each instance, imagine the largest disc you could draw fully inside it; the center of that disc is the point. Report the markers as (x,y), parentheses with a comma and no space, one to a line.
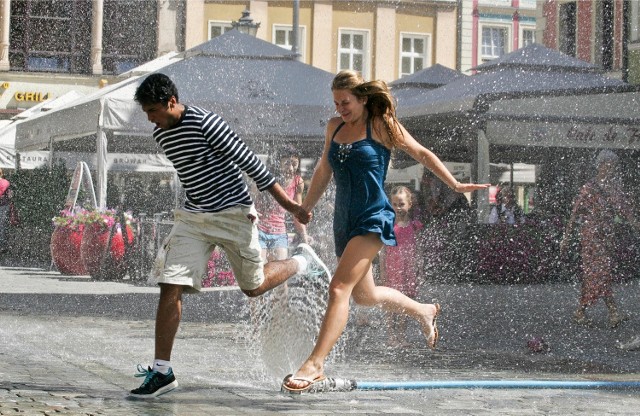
(284,323)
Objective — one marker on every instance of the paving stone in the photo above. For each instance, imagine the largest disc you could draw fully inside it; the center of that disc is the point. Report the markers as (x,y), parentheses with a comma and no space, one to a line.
(82,363)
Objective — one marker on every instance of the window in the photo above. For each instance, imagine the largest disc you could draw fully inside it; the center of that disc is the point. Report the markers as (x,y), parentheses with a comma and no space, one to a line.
(528,37)
(50,36)
(55,36)
(283,37)
(353,51)
(124,45)
(608,22)
(567,28)
(494,42)
(414,53)
(217,28)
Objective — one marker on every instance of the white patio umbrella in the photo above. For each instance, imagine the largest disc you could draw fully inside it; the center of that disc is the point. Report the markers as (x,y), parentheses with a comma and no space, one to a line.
(259,88)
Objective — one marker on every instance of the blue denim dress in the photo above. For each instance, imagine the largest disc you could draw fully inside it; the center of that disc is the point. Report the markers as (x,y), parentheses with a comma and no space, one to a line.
(361,205)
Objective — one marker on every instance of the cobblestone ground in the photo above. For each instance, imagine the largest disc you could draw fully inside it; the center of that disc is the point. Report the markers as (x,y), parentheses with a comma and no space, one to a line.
(76,355)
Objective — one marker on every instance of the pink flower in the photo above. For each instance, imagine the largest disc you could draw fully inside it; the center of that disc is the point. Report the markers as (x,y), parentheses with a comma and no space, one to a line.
(104,219)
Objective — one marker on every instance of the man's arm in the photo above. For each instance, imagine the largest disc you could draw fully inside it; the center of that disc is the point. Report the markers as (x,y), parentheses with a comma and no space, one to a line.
(289,204)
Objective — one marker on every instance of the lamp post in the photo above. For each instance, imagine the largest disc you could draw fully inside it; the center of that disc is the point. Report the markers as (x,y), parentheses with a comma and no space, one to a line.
(245,24)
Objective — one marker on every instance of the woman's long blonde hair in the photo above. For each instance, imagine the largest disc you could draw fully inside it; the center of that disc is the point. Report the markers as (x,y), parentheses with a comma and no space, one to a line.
(380,102)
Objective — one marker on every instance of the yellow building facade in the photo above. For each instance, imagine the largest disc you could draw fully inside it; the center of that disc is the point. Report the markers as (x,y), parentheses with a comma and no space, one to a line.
(382,39)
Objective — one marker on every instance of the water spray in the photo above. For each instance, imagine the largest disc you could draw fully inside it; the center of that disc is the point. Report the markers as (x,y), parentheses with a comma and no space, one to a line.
(342,385)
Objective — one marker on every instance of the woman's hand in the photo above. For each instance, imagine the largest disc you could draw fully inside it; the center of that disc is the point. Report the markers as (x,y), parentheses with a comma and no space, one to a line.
(470,187)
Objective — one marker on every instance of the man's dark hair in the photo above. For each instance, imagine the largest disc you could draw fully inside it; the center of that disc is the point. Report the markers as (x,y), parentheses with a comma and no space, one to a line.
(156,88)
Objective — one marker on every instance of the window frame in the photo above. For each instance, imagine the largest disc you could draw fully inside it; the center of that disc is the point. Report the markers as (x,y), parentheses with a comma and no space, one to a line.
(366,58)
(426,55)
(568,28)
(70,57)
(116,58)
(224,24)
(524,28)
(302,37)
(494,25)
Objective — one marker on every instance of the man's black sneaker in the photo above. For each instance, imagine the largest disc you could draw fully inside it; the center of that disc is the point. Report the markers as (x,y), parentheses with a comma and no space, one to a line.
(154,384)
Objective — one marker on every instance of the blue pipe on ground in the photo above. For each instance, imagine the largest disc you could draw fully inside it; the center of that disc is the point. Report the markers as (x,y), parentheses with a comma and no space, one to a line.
(496,384)
(337,384)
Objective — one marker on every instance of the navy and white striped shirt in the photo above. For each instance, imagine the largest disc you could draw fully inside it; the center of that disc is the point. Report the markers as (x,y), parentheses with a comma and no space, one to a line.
(209,158)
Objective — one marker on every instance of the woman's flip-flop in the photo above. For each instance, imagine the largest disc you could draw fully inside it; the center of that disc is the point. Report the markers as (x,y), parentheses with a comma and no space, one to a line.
(436,333)
(287,389)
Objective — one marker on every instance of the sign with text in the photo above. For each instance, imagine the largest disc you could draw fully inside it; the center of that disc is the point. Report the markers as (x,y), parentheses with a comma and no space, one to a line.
(116,162)
(549,134)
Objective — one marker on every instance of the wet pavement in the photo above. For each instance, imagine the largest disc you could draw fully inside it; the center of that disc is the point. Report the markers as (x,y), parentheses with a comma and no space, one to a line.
(70,346)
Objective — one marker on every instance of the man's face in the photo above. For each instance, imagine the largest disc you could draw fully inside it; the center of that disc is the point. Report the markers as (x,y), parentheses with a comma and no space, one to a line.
(164,116)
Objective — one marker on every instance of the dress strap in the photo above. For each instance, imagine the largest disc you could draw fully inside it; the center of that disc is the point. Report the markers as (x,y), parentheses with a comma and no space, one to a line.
(337,130)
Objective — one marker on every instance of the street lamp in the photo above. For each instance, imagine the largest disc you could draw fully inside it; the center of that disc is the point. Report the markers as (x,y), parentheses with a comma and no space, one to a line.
(245,24)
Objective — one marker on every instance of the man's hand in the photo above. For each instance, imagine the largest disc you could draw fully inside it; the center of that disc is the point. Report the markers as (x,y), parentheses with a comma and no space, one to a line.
(301,214)
(289,204)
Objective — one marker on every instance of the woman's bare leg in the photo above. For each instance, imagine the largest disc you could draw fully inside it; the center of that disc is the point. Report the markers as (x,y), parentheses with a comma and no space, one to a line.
(391,300)
(354,264)
(353,277)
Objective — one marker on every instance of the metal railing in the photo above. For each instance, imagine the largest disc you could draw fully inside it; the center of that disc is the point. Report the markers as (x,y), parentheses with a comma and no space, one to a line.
(151,232)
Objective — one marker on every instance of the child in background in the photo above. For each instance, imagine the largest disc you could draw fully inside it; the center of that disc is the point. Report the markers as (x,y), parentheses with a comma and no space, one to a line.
(399,264)
(272,221)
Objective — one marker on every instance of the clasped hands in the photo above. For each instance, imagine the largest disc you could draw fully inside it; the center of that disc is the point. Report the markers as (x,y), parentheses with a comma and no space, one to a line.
(301,214)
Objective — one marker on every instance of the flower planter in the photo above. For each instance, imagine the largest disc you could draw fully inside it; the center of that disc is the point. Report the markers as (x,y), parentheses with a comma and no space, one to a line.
(100,263)
(65,250)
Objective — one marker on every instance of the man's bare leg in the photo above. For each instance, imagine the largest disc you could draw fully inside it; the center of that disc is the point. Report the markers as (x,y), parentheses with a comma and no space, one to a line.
(167,319)
(275,273)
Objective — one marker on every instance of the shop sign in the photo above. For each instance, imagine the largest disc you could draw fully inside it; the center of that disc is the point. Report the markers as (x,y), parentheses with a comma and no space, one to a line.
(563,134)
(32,96)
(35,97)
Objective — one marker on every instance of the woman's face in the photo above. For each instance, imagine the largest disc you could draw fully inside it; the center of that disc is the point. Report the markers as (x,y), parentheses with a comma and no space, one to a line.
(289,166)
(348,106)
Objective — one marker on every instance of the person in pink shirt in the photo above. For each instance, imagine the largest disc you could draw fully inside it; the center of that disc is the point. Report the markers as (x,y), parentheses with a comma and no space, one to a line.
(400,264)
(5,200)
(272,217)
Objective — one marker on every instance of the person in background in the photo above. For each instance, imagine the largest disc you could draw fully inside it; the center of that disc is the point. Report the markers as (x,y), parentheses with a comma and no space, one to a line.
(507,210)
(209,159)
(440,204)
(274,239)
(5,206)
(399,264)
(356,154)
(599,204)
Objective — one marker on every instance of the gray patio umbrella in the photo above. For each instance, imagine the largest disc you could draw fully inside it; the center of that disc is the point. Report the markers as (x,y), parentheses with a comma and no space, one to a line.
(410,87)
(532,97)
(531,71)
(428,78)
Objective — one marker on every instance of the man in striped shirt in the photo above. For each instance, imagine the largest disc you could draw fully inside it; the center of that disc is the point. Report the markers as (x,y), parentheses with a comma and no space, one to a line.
(210,159)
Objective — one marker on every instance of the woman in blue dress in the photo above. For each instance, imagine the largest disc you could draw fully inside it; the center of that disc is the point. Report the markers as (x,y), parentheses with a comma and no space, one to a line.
(357,151)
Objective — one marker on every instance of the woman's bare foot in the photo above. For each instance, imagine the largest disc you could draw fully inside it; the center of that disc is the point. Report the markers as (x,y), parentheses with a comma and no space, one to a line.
(301,379)
(428,323)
